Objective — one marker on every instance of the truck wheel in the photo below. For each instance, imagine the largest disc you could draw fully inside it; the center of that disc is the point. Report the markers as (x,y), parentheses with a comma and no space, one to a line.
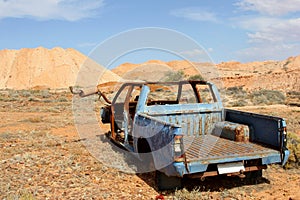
(165,182)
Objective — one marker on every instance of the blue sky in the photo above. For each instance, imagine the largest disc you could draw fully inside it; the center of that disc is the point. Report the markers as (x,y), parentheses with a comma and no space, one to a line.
(241,30)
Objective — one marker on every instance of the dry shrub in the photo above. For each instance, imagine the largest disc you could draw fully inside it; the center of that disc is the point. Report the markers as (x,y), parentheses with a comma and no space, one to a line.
(186,194)
(267,97)
(22,195)
(174,76)
(35,119)
(293,145)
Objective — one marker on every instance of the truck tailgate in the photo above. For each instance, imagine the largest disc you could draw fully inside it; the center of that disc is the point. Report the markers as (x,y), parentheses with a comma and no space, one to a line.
(209,149)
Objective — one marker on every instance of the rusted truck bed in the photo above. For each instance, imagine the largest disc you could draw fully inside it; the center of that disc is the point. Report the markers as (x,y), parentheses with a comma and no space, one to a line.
(209,149)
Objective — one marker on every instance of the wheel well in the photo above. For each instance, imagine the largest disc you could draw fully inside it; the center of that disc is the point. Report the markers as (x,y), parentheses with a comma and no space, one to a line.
(143,146)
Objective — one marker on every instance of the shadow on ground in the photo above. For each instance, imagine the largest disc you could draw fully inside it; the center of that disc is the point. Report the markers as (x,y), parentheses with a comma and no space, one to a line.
(210,184)
(217,183)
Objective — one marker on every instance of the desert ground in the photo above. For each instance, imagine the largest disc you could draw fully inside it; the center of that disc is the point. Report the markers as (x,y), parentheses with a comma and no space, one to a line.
(42,157)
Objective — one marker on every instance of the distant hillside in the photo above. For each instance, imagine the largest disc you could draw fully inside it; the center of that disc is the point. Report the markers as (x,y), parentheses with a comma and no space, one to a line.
(273,75)
(156,70)
(58,68)
(43,68)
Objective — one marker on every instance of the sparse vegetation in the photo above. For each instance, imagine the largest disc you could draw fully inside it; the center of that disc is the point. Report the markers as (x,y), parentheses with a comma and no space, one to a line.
(180,75)
(174,76)
(238,103)
(195,194)
(22,195)
(294,147)
(9,95)
(236,92)
(35,119)
(41,157)
(62,99)
(26,93)
(293,98)
(197,77)
(237,96)
(267,97)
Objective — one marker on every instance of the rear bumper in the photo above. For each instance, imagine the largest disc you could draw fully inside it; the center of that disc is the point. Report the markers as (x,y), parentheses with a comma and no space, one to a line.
(180,168)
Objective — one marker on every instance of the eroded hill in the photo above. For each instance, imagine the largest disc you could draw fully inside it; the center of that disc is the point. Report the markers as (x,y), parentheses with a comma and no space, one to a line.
(44,68)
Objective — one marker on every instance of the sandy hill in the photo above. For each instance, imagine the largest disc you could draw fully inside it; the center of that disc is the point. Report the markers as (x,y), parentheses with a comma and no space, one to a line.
(45,68)
(59,68)
(274,75)
(176,65)
(156,70)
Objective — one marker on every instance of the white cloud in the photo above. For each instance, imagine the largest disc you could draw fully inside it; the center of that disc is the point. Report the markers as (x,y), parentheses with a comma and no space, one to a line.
(270,7)
(255,22)
(272,31)
(70,10)
(194,13)
(283,31)
(266,29)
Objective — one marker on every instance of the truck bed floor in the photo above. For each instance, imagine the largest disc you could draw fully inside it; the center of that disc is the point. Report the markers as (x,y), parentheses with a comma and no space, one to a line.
(211,149)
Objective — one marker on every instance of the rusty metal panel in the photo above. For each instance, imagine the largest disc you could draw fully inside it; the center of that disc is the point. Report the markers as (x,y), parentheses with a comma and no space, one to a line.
(192,124)
(265,129)
(190,121)
(232,131)
(208,148)
(201,124)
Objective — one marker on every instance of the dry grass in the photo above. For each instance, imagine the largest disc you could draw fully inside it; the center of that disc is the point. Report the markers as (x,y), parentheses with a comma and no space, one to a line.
(41,157)
(294,148)
(237,97)
(195,194)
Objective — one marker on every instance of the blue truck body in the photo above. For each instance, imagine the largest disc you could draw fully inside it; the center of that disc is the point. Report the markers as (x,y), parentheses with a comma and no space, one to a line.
(185,129)
(195,122)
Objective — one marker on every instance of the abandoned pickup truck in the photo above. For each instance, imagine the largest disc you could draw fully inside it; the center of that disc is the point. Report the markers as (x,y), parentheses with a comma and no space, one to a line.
(187,132)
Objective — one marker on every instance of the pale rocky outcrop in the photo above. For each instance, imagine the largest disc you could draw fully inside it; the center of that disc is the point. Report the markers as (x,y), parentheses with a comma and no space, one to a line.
(45,68)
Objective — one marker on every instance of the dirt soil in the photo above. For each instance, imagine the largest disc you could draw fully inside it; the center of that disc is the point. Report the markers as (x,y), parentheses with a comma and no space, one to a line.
(42,157)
